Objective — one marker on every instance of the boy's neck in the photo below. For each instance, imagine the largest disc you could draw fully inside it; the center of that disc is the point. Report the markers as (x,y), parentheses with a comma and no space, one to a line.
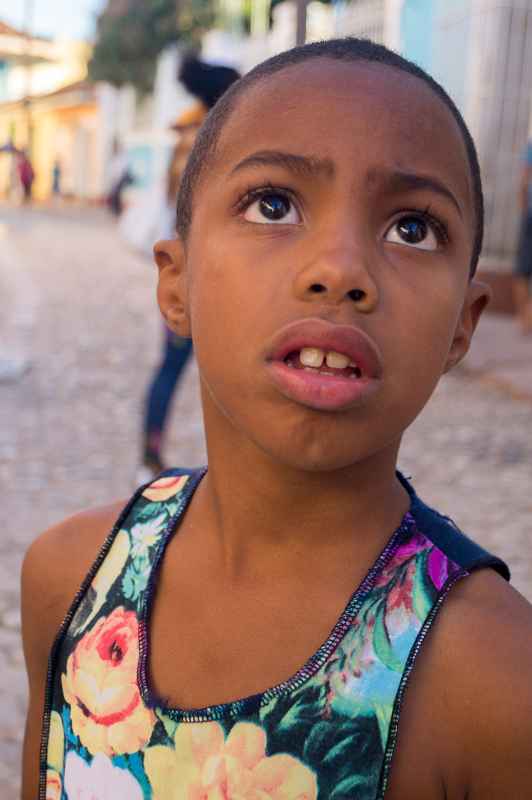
(258,511)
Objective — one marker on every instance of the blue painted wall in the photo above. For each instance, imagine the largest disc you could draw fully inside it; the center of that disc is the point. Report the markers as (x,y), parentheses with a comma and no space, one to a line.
(435,34)
(417,29)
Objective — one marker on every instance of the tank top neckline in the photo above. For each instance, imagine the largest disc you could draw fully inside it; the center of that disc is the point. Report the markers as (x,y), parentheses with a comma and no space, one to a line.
(235,708)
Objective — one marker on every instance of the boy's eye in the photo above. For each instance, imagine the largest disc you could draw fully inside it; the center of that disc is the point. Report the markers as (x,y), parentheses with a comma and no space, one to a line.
(272,207)
(413,231)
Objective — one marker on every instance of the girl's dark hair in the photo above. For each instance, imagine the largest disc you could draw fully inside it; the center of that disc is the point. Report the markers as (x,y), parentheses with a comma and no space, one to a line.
(207,82)
(347,49)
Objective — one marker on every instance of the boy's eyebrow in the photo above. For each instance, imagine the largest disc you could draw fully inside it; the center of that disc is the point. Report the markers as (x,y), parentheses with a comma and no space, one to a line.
(399,181)
(314,166)
(307,166)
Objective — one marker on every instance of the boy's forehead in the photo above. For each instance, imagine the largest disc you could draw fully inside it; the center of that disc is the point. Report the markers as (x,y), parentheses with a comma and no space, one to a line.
(322,103)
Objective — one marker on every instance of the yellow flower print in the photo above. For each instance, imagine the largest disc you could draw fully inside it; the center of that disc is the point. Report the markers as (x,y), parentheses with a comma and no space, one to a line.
(100,685)
(204,765)
(56,743)
(165,488)
(105,577)
(112,565)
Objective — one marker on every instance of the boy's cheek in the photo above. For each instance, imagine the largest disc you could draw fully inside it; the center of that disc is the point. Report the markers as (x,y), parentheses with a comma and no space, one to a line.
(416,347)
(225,325)
(235,288)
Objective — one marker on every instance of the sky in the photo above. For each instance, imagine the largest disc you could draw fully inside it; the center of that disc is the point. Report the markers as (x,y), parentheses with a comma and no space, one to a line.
(69,19)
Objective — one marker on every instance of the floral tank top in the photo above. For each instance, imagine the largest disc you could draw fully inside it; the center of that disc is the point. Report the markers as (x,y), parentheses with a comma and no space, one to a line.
(328,732)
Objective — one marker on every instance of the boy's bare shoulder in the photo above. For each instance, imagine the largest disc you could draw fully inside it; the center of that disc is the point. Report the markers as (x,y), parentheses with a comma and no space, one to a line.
(490,626)
(71,544)
(56,563)
(471,692)
(487,636)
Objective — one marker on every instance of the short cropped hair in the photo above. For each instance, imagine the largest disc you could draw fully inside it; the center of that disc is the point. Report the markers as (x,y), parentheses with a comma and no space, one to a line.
(346,49)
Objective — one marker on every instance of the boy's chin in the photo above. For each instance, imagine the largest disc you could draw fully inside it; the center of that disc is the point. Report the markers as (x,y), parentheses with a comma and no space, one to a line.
(317,456)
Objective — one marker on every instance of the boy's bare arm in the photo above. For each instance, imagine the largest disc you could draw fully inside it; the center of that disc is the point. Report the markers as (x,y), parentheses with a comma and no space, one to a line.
(496,708)
(54,567)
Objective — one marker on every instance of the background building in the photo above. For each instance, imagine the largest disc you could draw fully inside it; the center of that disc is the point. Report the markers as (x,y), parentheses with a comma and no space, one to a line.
(48,107)
(481,51)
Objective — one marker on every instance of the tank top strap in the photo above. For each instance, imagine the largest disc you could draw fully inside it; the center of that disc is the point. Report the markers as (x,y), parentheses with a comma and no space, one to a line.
(100,638)
(445,534)
(120,576)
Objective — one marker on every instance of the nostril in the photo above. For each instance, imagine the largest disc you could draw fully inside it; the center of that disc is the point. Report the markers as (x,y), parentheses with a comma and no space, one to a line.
(317,288)
(356,295)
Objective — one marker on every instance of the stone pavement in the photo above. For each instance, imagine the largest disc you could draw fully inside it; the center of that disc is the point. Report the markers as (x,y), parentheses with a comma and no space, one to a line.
(80,311)
(502,355)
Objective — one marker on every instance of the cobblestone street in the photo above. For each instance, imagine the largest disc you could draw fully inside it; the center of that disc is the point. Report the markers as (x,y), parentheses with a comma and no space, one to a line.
(79,318)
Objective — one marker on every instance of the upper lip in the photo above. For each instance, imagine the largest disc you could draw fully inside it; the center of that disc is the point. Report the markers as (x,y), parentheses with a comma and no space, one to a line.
(328,336)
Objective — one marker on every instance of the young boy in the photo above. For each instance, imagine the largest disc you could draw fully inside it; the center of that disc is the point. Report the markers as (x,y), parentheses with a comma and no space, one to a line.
(330,221)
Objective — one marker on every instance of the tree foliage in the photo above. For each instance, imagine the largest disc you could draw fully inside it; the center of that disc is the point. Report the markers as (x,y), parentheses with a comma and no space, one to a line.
(194,17)
(132,33)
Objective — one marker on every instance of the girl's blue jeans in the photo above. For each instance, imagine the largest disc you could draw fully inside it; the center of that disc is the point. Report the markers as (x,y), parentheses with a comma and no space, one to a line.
(161,390)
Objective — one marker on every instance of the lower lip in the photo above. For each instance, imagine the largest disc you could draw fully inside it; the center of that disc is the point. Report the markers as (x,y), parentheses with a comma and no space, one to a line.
(318,391)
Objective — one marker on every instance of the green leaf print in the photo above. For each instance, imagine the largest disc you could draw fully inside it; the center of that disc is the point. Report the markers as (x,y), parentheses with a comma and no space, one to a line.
(423,591)
(340,750)
(355,786)
(152,510)
(341,747)
(136,578)
(381,642)
(295,716)
(319,747)
(384,715)
(285,717)
(171,509)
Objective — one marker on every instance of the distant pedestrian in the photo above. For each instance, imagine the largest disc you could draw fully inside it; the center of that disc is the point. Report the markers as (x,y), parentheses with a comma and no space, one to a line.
(120,177)
(56,178)
(523,264)
(26,175)
(206,82)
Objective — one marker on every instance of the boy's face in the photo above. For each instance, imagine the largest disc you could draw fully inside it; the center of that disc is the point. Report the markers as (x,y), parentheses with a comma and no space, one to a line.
(336,217)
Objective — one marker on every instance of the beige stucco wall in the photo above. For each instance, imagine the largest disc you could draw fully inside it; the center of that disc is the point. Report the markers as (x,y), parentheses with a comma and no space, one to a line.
(62,126)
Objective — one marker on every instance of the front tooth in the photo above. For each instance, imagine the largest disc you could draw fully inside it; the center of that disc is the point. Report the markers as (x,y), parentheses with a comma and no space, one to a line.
(311,357)
(336,360)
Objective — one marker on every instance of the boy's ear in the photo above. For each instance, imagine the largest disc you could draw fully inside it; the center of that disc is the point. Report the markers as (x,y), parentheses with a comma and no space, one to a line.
(477,298)
(171,290)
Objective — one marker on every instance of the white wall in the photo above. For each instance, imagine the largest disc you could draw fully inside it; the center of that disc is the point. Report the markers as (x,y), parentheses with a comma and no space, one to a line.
(497,108)
(361,18)
(66,63)
(481,52)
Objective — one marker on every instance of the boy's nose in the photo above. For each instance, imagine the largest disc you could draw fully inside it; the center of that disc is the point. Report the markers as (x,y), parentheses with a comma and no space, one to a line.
(335,277)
